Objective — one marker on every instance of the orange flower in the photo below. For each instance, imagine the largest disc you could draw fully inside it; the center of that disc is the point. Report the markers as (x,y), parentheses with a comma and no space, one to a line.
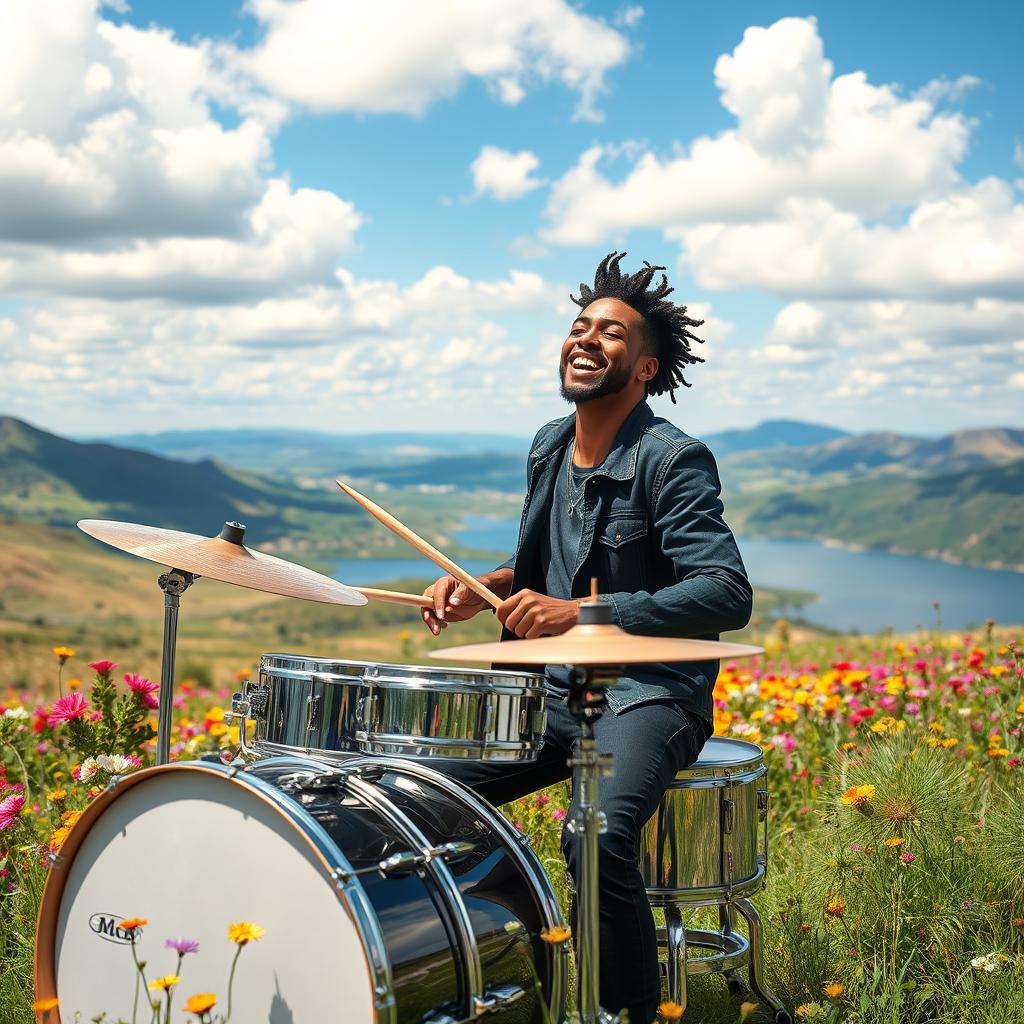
(670,1010)
(835,906)
(834,989)
(858,796)
(200,1003)
(894,841)
(129,924)
(244,932)
(556,935)
(63,653)
(42,1005)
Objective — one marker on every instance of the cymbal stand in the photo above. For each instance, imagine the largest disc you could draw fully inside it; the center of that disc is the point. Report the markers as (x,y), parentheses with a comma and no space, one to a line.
(173,583)
(586,704)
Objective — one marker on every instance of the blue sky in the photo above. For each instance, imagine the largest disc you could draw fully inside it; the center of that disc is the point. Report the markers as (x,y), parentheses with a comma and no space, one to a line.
(269,215)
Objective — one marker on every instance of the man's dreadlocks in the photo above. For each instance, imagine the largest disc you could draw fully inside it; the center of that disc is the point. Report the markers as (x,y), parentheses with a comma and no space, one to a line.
(667,323)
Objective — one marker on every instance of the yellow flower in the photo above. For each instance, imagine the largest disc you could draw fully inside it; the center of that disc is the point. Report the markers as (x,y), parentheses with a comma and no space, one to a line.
(58,836)
(1020,708)
(834,989)
(245,931)
(73,684)
(215,715)
(746,1009)
(949,742)
(670,1010)
(42,1005)
(997,751)
(858,796)
(806,1009)
(63,653)
(936,727)
(556,935)
(200,1003)
(218,729)
(835,906)
(894,841)
(56,795)
(165,982)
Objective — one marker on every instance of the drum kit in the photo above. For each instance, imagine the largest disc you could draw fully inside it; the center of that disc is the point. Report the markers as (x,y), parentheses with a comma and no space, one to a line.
(389,892)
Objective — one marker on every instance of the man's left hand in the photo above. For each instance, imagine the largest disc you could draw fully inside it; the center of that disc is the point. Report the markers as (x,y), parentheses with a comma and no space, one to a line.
(529,614)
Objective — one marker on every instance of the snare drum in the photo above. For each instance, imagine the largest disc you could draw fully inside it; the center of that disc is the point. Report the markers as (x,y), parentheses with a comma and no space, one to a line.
(389,895)
(327,708)
(703,840)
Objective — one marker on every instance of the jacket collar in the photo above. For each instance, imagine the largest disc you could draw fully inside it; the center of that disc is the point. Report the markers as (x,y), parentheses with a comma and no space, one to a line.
(620,462)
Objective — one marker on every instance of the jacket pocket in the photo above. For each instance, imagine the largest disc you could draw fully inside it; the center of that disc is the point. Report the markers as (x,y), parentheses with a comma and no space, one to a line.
(622,549)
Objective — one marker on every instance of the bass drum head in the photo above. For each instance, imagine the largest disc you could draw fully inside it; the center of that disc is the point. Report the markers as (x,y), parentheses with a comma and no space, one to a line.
(193,850)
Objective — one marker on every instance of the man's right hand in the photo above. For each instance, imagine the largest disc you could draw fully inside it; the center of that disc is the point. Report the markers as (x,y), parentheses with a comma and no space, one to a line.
(455,602)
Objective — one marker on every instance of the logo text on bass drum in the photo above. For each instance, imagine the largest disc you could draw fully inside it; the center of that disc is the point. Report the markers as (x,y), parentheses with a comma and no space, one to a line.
(105,926)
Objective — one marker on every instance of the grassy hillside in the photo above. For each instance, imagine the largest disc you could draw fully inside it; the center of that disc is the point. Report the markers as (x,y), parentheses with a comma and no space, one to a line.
(975,516)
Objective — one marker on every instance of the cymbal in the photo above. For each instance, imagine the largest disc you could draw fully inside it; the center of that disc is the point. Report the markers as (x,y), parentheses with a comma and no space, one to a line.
(222,558)
(596,645)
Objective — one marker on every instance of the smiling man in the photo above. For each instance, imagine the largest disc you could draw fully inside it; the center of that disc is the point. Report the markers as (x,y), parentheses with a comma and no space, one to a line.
(615,492)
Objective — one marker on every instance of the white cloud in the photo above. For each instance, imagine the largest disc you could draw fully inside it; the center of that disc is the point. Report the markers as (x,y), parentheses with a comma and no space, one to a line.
(401,56)
(504,174)
(801,134)
(967,243)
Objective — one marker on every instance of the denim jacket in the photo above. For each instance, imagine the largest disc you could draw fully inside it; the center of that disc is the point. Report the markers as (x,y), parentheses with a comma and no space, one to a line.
(654,537)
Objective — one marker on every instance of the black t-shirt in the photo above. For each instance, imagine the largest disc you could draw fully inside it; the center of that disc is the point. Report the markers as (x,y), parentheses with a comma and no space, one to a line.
(560,545)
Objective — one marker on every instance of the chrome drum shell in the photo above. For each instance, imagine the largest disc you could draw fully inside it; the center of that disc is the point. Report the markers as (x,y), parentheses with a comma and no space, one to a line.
(703,842)
(333,709)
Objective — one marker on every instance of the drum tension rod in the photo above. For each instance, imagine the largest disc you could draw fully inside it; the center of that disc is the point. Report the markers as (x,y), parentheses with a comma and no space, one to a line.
(407,861)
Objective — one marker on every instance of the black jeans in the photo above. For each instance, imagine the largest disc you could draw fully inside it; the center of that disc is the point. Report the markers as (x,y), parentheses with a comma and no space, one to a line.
(650,743)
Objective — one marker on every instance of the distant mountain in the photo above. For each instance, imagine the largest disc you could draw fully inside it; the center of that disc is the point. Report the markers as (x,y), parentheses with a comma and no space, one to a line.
(772,434)
(864,454)
(299,453)
(50,480)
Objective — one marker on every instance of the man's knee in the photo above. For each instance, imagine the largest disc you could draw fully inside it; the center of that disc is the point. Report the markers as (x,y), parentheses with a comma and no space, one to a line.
(618,842)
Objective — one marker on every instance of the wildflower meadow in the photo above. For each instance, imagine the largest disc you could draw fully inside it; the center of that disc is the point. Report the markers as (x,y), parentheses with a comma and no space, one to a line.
(895,888)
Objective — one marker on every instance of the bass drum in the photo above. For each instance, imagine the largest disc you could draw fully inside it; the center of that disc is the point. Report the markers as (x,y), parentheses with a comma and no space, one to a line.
(389,894)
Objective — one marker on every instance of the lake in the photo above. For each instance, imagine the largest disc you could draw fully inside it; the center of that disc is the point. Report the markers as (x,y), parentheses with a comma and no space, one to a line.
(862,591)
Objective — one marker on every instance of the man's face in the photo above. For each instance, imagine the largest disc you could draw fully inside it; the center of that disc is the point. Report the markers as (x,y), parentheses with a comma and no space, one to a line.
(602,354)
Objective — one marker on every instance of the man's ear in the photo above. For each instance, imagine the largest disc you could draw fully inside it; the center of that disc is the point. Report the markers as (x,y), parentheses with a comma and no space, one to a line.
(647,368)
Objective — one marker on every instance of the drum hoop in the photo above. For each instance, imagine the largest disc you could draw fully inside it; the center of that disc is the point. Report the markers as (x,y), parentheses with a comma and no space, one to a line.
(399,669)
(549,906)
(442,685)
(716,778)
(332,862)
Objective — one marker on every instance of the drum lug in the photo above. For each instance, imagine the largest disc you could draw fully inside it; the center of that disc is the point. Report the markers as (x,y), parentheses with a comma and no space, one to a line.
(728,816)
(312,712)
(762,802)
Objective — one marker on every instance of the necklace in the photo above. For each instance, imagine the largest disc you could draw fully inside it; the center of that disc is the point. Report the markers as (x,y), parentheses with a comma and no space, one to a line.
(574,494)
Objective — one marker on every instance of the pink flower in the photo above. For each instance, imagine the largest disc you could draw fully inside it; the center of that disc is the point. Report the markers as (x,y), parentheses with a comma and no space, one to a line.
(558,814)
(42,748)
(912,708)
(104,668)
(139,684)
(149,701)
(10,808)
(908,858)
(990,691)
(67,708)
(1013,762)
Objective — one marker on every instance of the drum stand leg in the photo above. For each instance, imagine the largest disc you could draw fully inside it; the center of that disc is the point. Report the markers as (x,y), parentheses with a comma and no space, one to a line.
(173,583)
(586,704)
(675,934)
(755,963)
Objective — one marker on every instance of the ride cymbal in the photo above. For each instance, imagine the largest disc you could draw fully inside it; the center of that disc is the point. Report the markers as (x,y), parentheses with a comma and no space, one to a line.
(223,558)
(596,644)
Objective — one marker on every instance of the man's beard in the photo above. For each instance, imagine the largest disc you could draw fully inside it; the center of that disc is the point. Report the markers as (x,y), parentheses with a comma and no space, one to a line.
(612,382)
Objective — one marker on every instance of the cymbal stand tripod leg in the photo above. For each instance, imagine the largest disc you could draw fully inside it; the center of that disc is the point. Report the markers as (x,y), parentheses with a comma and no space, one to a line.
(173,583)
(586,704)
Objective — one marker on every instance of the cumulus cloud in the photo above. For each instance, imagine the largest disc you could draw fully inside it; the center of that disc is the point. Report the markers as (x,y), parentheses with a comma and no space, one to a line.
(400,56)
(801,133)
(504,174)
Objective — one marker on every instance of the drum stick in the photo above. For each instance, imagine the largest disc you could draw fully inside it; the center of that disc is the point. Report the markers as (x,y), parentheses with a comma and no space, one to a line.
(395,597)
(421,545)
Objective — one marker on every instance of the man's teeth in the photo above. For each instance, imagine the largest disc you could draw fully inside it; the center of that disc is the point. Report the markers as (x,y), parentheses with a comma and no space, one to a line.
(582,363)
